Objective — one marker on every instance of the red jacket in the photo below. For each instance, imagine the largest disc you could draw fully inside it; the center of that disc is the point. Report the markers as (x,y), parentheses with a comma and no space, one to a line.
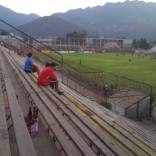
(46,76)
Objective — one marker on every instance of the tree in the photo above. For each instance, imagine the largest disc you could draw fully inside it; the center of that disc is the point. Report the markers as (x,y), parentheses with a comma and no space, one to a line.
(141,43)
(144,44)
(134,44)
(76,37)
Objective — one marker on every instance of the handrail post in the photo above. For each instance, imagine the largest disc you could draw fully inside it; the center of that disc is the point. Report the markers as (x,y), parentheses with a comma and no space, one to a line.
(62,60)
(151,101)
(137,111)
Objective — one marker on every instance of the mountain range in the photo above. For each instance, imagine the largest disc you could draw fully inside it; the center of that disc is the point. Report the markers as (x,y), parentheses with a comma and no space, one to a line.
(50,26)
(14,18)
(130,19)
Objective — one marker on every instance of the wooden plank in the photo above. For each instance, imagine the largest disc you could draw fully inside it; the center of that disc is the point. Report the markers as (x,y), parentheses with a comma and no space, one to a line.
(56,101)
(79,142)
(106,139)
(81,121)
(4,137)
(67,145)
(71,112)
(123,125)
(125,141)
(69,148)
(83,147)
(79,124)
(64,141)
(117,122)
(23,139)
(127,134)
(115,134)
(86,131)
(69,109)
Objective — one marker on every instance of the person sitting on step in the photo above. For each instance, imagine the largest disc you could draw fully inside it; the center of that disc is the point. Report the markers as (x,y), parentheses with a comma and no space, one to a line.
(48,77)
(29,66)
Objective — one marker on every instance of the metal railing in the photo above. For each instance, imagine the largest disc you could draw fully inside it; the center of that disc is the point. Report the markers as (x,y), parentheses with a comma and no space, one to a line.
(30,42)
(136,110)
(88,77)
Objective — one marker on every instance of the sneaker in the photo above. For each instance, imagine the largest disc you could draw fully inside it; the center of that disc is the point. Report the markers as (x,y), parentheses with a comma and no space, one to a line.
(60,92)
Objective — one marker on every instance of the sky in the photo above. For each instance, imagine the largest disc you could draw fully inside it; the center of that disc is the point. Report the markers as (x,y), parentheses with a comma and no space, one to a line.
(48,7)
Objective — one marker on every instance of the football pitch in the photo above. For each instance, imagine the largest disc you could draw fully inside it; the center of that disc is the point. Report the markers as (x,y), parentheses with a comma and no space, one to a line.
(137,67)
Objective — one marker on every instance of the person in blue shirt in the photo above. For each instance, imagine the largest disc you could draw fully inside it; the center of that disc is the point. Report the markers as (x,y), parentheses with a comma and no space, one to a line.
(29,66)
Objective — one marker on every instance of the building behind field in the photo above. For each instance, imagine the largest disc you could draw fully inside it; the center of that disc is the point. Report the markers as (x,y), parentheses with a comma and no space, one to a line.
(72,44)
(88,44)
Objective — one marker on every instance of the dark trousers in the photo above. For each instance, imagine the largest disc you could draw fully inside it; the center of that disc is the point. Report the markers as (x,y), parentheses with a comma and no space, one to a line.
(54,85)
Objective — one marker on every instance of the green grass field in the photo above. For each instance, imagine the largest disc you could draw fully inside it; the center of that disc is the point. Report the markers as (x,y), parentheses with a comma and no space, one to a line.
(127,73)
(140,68)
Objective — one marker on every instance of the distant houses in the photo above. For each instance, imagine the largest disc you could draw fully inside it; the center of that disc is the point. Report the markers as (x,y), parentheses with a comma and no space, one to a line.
(83,44)
(72,44)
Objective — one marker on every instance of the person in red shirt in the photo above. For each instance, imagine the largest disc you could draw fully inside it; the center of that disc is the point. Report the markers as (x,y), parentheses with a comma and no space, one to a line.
(48,77)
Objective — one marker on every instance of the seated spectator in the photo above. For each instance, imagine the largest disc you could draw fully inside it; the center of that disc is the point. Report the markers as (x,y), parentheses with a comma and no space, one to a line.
(29,66)
(48,77)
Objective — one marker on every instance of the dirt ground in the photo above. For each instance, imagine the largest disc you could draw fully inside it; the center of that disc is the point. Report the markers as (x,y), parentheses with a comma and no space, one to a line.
(42,142)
